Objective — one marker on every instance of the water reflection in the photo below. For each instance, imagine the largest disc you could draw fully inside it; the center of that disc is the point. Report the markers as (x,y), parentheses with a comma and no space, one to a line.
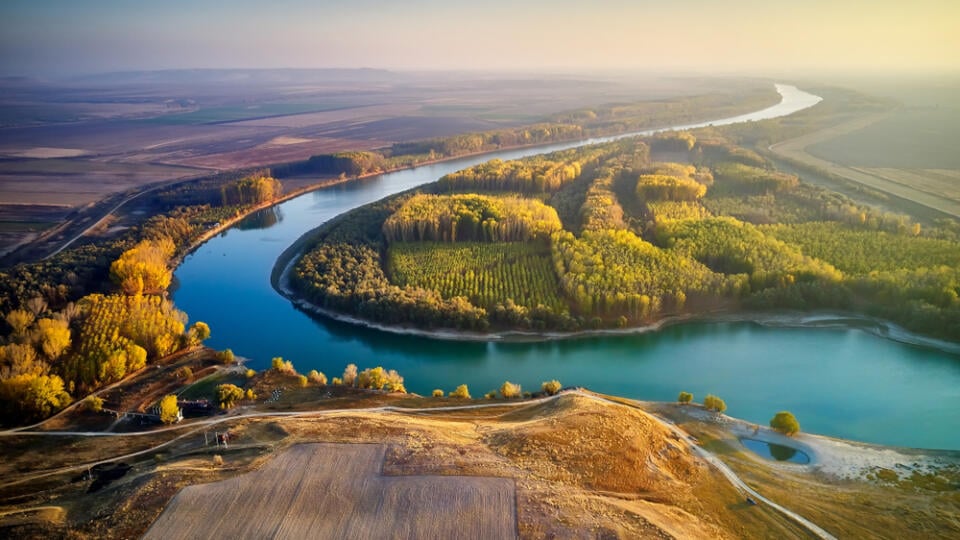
(261,219)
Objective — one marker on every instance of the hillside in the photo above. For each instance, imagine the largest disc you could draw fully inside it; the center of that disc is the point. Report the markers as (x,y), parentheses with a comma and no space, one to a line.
(576,466)
(308,460)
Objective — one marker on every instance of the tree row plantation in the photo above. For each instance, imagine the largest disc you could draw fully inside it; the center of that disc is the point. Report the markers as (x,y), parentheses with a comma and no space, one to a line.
(605,236)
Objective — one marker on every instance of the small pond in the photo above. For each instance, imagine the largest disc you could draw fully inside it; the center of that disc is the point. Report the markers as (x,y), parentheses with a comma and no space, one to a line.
(776,452)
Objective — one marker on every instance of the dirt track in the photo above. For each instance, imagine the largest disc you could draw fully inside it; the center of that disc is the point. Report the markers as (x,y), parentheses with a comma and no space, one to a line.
(337,491)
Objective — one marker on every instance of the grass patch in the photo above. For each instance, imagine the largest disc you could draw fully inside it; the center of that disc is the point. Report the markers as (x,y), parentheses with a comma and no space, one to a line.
(206,387)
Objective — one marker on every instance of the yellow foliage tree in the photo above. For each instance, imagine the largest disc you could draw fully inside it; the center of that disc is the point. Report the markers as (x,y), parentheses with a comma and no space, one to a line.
(19,320)
(144,268)
(53,337)
(461,392)
(169,412)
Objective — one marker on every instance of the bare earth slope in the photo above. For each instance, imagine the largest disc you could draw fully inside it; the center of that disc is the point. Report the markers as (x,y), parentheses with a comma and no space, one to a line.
(338,491)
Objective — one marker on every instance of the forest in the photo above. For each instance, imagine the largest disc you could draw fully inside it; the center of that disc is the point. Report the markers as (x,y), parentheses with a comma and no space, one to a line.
(471,217)
(107,315)
(628,240)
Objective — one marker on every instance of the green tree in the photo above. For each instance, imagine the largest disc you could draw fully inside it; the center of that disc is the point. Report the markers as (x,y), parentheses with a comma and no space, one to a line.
(302,381)
(461,392)
(714,403)
(228,395)
(551,387)
(437,392)
(685,397)
(785,423)
(169,412)
(510,390)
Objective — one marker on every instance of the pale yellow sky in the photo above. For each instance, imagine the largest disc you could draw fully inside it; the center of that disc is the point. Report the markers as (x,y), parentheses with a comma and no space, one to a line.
(698,35)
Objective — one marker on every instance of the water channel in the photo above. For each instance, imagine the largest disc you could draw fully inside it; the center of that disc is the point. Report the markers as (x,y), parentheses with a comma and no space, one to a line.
(840,381)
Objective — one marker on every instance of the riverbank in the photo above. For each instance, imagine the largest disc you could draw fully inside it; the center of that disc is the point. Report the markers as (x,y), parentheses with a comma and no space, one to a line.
(841,459)
(279,280)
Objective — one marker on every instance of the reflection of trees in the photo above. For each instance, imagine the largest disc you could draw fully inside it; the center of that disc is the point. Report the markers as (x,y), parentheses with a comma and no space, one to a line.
(261,219)
(782,453)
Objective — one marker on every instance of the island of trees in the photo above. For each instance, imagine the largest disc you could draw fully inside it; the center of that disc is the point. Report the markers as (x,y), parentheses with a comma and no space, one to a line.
(607,236)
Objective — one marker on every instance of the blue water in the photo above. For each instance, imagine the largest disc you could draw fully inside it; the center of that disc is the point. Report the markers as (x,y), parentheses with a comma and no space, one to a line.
(776,452)
(839,382)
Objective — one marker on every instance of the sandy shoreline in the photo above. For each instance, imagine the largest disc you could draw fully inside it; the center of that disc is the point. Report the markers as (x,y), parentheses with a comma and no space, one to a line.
(838,458)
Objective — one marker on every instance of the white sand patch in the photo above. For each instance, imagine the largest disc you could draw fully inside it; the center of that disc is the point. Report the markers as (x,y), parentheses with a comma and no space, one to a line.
(847,459)
(45,152)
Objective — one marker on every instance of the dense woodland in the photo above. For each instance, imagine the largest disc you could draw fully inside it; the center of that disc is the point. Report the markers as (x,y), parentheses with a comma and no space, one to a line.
(96,313)
(471,217)
(632,240)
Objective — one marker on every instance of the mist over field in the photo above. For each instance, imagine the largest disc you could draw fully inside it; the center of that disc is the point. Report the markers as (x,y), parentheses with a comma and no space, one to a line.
(63,37)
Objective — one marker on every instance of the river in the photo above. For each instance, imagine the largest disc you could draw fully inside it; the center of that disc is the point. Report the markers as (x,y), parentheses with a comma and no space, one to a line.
(838,381)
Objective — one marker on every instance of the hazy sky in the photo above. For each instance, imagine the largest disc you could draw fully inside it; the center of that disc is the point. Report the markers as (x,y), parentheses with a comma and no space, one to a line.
(763,36)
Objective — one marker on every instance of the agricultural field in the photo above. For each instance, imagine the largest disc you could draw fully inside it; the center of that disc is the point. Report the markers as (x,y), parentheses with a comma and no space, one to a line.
(486,273)
(77,182)
(79,141)
(909,152)
(338,491)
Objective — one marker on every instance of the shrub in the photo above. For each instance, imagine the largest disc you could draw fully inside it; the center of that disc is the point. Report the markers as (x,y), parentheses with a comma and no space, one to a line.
(551,387)
(250,395)
(490,395)
(685,397)
(93,403)
(395,382)
(226,356)
(185,372)
(302,381)
(317,377)
(251,373)
(461,392)
(350,374)
(217,460)
(437,392)
(510,390)
(280,366)
(785,423)
(713,403)
(337,381)
(228,395)
(375,378)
